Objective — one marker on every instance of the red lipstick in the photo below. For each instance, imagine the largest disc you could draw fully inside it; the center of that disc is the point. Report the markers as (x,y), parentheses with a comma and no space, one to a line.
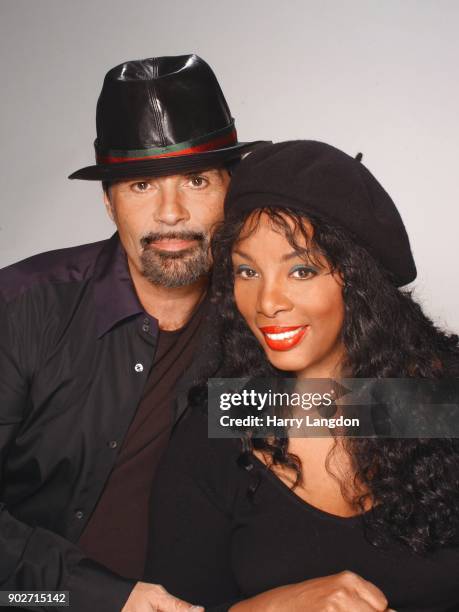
(283,338)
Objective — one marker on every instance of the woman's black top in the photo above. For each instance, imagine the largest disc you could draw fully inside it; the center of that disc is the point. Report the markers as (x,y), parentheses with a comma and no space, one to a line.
(221,532)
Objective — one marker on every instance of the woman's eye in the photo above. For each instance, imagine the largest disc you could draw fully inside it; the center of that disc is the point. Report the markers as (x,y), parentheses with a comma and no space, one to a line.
(198,181)
(245,272)
(303,272)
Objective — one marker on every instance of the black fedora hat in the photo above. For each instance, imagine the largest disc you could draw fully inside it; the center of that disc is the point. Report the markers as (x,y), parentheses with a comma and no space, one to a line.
(160,116)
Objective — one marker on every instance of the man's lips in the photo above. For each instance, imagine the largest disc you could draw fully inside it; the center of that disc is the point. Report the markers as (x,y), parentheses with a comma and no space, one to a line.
(283,338)
(171,244)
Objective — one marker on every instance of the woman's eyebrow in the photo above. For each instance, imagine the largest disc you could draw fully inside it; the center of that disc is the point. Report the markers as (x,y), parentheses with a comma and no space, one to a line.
(242,254)
(289,256)
(285,257)
(304,256)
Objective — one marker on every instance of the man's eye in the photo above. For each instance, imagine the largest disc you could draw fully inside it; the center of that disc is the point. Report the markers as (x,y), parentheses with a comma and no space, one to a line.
(141,186)
(245,272)
(303,272)
(198,181)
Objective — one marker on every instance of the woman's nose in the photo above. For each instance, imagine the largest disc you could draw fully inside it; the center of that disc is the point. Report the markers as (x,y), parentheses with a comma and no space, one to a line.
(272,300)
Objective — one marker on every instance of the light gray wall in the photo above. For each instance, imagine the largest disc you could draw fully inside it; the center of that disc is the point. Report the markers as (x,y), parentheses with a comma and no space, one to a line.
(364,75)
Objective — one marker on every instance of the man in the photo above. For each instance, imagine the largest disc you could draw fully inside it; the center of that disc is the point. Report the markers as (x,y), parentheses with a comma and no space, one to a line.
(95,339)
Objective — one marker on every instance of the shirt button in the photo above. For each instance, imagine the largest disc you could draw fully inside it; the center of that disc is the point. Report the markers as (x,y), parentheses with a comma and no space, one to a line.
(113,444)
(79,514)
(138,367)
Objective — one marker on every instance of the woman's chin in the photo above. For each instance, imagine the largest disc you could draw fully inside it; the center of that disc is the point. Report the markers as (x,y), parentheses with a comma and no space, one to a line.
(282,360)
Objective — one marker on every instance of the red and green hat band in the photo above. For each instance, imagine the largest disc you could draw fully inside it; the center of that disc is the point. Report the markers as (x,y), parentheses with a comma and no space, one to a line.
(209,142)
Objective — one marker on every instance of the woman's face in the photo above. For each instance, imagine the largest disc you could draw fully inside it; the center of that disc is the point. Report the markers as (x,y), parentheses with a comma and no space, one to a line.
(293,306)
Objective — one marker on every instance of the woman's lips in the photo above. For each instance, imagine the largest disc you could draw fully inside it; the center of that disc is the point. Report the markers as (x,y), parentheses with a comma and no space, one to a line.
(281,338)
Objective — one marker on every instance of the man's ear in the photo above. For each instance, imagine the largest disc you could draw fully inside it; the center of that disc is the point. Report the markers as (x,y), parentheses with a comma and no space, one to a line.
(109,206)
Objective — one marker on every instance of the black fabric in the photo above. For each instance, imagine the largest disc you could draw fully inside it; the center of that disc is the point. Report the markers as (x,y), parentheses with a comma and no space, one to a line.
(76,349)
(224,532)
(311,176)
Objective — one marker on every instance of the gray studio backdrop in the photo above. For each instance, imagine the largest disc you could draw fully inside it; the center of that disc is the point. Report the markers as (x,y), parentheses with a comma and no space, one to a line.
(364,75)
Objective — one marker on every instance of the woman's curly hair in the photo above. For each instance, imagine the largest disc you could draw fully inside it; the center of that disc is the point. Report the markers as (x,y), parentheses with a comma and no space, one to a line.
(413,484)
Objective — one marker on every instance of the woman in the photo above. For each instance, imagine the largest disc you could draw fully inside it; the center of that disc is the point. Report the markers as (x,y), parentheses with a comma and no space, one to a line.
(307,269)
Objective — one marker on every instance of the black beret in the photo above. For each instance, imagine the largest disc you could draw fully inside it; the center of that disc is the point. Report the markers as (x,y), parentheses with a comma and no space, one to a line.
(314,177)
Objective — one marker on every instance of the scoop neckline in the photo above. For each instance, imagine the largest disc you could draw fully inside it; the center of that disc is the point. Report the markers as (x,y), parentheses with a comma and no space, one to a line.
(303,503)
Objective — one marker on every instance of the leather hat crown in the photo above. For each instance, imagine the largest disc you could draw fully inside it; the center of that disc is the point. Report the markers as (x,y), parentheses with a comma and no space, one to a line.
(159,116)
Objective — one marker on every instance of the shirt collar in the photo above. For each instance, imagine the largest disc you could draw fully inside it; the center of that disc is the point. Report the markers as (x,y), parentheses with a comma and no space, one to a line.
(114,292)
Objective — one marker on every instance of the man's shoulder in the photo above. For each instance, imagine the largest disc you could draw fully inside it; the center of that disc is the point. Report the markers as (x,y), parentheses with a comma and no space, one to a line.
(71,264)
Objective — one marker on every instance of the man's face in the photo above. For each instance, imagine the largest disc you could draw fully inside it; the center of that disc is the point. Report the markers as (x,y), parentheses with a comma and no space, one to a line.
(165,223)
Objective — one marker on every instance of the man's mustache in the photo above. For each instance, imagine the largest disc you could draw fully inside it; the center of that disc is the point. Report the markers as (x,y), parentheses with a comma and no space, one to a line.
(184,235)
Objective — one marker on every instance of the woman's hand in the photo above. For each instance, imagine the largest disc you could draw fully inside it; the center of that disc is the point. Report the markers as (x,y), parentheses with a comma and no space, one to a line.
(344,592)
(147,597)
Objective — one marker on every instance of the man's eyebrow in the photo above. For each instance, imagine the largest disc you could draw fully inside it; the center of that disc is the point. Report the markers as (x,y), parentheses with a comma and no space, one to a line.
(136,179)
(208,170)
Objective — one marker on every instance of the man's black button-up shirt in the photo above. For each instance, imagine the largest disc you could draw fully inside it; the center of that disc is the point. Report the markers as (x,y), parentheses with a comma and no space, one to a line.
(76,348)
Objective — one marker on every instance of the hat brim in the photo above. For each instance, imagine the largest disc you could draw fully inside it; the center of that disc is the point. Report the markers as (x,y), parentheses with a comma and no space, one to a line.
(163,166)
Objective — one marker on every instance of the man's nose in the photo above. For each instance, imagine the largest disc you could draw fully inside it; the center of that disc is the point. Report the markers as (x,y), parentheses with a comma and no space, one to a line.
(272,299)
(170,209)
